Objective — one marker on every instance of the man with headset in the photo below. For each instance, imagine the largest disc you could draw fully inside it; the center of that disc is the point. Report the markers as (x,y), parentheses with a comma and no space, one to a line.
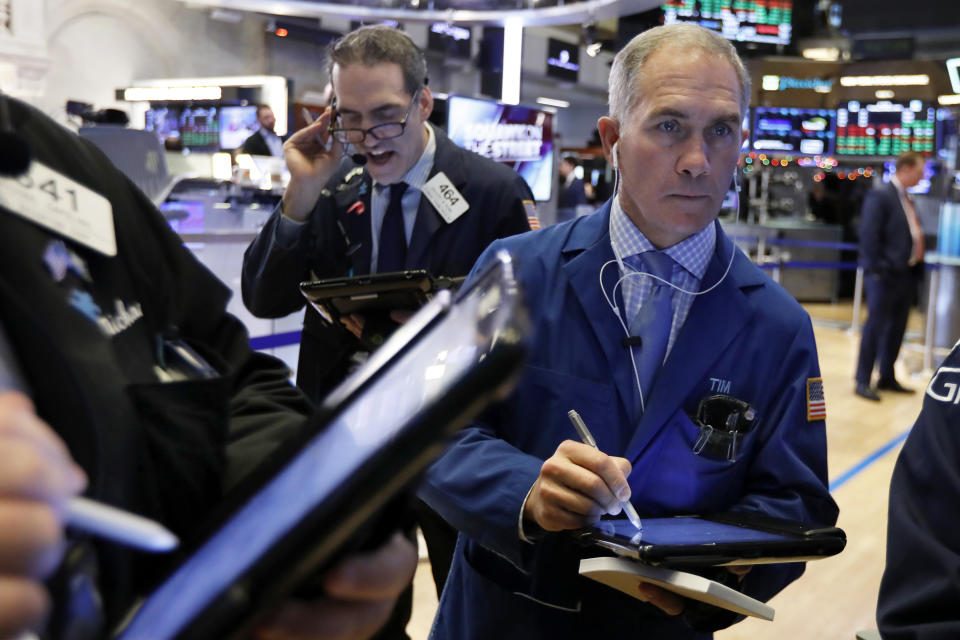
(99,302)
(405,198)
(643,312)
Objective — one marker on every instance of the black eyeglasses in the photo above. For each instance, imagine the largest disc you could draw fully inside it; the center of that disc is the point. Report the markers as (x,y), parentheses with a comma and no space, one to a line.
(385,131)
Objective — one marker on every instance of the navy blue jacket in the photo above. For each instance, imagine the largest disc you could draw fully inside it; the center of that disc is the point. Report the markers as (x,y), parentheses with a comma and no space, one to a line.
(885,241)
(920,588)
(499,200)
(747,338)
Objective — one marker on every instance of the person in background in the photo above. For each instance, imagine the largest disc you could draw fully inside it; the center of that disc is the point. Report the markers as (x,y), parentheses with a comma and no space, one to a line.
(635,357)
(891,255)
(920,587)
(264,141)
(375,188)
(571,193)
(97,398)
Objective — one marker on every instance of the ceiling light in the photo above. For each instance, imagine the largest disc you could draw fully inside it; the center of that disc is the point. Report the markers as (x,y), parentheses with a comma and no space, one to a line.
(553,102)
(590,40)
(953,69)
(512,50)
(889,81)
(157,94)
(822,54)
(949,100)
(885,94)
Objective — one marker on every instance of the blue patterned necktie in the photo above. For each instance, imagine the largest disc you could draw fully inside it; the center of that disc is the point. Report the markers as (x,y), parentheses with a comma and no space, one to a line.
(652,322)
(392,254)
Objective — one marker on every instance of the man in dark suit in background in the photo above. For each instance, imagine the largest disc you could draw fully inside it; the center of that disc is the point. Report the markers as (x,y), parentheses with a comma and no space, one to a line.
(264,141)
(405,198)
(571,193)
(891,254)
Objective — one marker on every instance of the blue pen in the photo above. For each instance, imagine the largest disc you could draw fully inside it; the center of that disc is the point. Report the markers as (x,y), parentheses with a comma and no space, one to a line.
(587,438)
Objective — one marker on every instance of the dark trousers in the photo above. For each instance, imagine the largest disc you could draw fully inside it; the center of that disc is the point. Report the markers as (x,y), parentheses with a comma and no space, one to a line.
(889,298)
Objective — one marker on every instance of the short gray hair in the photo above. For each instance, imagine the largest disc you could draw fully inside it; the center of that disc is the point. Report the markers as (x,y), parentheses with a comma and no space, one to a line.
(378,44)
(627,65)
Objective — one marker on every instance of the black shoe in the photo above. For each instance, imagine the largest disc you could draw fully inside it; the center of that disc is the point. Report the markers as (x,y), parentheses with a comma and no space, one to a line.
(893,385)
(864,391)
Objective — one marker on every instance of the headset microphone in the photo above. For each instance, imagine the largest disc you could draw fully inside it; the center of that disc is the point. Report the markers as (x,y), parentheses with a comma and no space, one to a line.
(358,159)
(15,152)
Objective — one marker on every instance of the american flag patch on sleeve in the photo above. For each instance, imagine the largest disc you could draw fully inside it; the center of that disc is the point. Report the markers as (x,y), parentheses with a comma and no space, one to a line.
(816,404)
(531,208)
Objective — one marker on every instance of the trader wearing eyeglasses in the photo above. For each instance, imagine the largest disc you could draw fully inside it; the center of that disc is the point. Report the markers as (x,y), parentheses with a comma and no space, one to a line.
(375,188)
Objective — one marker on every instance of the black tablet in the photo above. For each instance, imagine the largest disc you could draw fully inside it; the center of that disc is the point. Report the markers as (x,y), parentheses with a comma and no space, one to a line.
(374,435)
(383,292)
(719,539)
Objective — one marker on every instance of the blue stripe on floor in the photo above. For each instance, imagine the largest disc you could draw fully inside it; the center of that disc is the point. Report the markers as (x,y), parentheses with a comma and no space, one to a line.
(866,462)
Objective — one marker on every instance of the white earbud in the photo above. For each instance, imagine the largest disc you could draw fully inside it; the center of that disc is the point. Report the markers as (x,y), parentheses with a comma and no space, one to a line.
(615,156)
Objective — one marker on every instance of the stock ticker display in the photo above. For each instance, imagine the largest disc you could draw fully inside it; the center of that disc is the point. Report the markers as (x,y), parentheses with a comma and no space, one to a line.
(764,21)
(885,128)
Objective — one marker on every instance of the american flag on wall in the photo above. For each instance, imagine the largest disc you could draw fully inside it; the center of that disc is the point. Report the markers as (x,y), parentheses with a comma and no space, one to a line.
(816,403)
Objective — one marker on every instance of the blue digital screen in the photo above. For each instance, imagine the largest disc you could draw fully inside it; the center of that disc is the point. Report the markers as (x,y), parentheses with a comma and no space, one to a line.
(521,137)
(785,130)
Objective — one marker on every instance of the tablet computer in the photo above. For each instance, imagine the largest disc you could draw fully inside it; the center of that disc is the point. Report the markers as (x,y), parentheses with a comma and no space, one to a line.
(377,292)
(713,540)
(370,440)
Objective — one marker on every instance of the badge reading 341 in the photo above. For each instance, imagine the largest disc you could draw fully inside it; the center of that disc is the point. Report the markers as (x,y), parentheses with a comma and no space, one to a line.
(64,206)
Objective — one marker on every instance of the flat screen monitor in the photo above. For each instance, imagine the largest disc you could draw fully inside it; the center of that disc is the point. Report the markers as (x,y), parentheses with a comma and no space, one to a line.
(450,40)
(164,121)
(196,128)
(763,21)
(885,128)
(200,128)
(237,123)
(521,137)
(808,132)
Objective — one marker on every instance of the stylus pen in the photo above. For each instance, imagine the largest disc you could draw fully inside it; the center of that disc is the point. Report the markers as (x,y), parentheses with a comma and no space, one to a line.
(119,526)
(587,438)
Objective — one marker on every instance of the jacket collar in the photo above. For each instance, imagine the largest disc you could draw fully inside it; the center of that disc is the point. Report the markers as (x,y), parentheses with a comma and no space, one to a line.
(716,318)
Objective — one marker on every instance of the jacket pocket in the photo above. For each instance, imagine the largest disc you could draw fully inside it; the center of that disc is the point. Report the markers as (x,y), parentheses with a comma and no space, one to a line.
(185,427)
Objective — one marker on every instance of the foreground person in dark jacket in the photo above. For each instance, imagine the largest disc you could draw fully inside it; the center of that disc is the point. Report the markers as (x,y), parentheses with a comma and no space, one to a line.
(96,296)
(920,588)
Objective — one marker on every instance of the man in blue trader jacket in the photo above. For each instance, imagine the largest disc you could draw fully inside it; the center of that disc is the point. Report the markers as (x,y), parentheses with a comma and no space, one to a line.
(921,582)
(335,215)
(514,482)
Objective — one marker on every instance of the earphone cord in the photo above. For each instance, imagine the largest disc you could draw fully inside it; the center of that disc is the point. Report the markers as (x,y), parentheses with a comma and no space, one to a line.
(635,273)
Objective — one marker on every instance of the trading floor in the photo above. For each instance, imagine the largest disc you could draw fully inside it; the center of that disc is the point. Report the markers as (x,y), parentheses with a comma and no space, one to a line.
(836,597)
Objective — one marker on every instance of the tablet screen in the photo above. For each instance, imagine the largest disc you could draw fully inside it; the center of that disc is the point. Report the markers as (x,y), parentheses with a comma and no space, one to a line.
(684,531)
(369,421)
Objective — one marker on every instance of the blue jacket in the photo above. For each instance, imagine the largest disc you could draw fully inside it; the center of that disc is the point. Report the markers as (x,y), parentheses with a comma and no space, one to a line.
(885,241)
(747,338)
(921,582)
(337,241)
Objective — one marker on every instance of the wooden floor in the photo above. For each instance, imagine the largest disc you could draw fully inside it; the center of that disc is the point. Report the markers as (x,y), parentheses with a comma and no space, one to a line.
(836,597)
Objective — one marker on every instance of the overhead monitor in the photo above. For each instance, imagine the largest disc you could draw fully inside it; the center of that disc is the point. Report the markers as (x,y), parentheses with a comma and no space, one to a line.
(563,60)
(164,121)
(450,40)
(764,21)
(519,136)
(237,123)
(885,128)
(196,128)
(786,130)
